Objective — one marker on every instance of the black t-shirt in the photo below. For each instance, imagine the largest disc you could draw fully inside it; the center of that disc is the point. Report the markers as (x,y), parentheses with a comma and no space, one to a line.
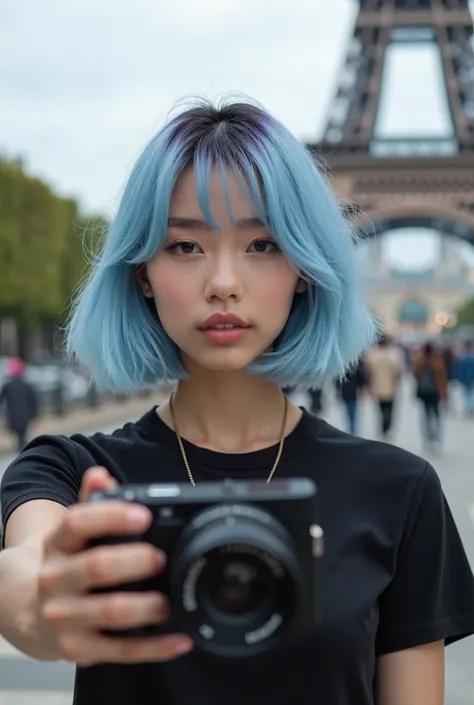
(394,574)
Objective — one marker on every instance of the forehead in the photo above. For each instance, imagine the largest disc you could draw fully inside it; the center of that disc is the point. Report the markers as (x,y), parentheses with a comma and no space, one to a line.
(223,191)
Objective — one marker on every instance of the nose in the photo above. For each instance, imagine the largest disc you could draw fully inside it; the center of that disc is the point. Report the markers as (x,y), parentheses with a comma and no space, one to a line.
(223,281)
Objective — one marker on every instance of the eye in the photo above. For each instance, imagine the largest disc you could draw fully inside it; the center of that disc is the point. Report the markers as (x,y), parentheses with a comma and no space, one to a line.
(183,247)
(264,246)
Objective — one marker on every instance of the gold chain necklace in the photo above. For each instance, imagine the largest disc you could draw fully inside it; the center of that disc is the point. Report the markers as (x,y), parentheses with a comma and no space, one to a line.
(185,457)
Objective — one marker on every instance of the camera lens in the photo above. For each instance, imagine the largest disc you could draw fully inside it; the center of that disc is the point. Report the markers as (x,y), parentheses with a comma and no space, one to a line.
(239,584)
(235,579)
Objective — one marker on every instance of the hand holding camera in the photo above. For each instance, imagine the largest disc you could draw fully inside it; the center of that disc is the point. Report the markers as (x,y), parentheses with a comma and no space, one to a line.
(241,574)
(73,571)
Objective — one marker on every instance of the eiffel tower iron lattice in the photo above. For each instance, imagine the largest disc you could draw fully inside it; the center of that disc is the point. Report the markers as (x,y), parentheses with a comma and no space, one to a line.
(388,183)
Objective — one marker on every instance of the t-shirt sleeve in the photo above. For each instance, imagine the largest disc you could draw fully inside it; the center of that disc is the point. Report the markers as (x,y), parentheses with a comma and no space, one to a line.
(48,468)
(431,595)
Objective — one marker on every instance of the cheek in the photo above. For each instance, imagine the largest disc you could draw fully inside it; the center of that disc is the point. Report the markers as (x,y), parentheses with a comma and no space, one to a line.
(171,293)
(279,289)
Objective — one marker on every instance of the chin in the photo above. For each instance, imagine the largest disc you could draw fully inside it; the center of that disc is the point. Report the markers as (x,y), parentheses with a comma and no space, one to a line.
(223,360)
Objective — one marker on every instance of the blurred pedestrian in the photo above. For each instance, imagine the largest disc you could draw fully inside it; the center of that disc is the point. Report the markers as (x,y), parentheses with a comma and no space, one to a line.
(384,368)
(21,402)
(349,390)
(310,399)
(429,370)
(449,359)
(316,397)
(464,374)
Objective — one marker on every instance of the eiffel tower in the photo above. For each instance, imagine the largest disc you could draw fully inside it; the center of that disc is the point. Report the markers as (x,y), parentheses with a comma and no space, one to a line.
(389,183)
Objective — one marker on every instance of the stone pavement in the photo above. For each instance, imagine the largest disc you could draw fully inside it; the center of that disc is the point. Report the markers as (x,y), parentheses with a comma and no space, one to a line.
(27,682)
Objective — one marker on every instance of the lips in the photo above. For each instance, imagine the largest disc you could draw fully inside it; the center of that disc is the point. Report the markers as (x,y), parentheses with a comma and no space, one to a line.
(223,321)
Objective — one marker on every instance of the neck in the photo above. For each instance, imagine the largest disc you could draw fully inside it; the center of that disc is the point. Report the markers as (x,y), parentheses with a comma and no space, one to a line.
(230,413)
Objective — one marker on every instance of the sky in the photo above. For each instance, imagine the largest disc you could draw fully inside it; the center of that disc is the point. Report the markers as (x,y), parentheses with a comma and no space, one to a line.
(85,84)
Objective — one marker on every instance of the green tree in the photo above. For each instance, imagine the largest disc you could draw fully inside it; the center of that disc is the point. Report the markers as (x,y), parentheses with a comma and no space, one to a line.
(45,245)
(465,314)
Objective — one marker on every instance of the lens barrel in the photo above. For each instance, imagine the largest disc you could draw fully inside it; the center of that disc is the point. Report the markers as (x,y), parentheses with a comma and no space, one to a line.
(235,580)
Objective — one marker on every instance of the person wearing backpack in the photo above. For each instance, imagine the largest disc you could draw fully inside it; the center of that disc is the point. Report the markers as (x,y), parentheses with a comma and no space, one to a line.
(431,388)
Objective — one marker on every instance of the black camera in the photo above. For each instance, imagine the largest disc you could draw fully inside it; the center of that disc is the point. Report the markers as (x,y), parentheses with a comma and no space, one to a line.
(242,560)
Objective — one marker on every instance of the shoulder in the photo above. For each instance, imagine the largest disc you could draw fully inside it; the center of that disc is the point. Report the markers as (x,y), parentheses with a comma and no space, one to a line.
(375,469)
(47,468)
(52,466)
(111,447)
(382,490)
(78,452)
(368,451)
(116,445)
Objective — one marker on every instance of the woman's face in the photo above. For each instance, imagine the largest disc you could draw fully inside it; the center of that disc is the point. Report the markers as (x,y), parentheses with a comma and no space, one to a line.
(222,297)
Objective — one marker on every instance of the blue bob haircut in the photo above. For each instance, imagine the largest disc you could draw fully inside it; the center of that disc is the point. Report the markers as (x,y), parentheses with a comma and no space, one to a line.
(115,332)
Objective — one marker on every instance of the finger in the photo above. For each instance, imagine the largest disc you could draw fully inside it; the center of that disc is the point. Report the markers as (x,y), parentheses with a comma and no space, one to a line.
(84,522)
(96,479)
(119,610)
(101,567)
(88,648)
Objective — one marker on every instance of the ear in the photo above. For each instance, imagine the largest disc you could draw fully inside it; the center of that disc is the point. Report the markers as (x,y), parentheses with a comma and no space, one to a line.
(301,286)
(141,275)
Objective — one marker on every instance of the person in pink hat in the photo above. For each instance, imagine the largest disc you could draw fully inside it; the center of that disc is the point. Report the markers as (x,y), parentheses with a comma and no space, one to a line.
(21,402)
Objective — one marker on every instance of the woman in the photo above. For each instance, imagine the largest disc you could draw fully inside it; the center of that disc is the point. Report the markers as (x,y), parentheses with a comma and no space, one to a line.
(230,268)
(430,375)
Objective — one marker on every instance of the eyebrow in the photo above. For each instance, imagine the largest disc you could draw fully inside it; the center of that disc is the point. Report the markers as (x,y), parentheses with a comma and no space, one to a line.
(200,224)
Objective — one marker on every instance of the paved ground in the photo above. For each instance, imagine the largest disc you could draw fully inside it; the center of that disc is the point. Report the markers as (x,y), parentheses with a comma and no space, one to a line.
(26,682)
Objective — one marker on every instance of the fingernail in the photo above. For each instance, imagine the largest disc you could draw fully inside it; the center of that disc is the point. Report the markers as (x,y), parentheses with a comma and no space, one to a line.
(183,646)
(98,471)
(138,516)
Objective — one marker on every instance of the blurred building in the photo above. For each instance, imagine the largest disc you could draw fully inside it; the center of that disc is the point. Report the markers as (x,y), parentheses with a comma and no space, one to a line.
(415,303)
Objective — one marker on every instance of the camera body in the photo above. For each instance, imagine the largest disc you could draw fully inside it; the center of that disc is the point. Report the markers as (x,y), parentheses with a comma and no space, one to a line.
(242,570)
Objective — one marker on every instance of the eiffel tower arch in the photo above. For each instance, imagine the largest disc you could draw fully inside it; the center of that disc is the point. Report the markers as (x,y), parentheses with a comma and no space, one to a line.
(390,183)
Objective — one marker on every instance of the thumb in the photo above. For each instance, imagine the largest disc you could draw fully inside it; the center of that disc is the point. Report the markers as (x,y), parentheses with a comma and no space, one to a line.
(95,478)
